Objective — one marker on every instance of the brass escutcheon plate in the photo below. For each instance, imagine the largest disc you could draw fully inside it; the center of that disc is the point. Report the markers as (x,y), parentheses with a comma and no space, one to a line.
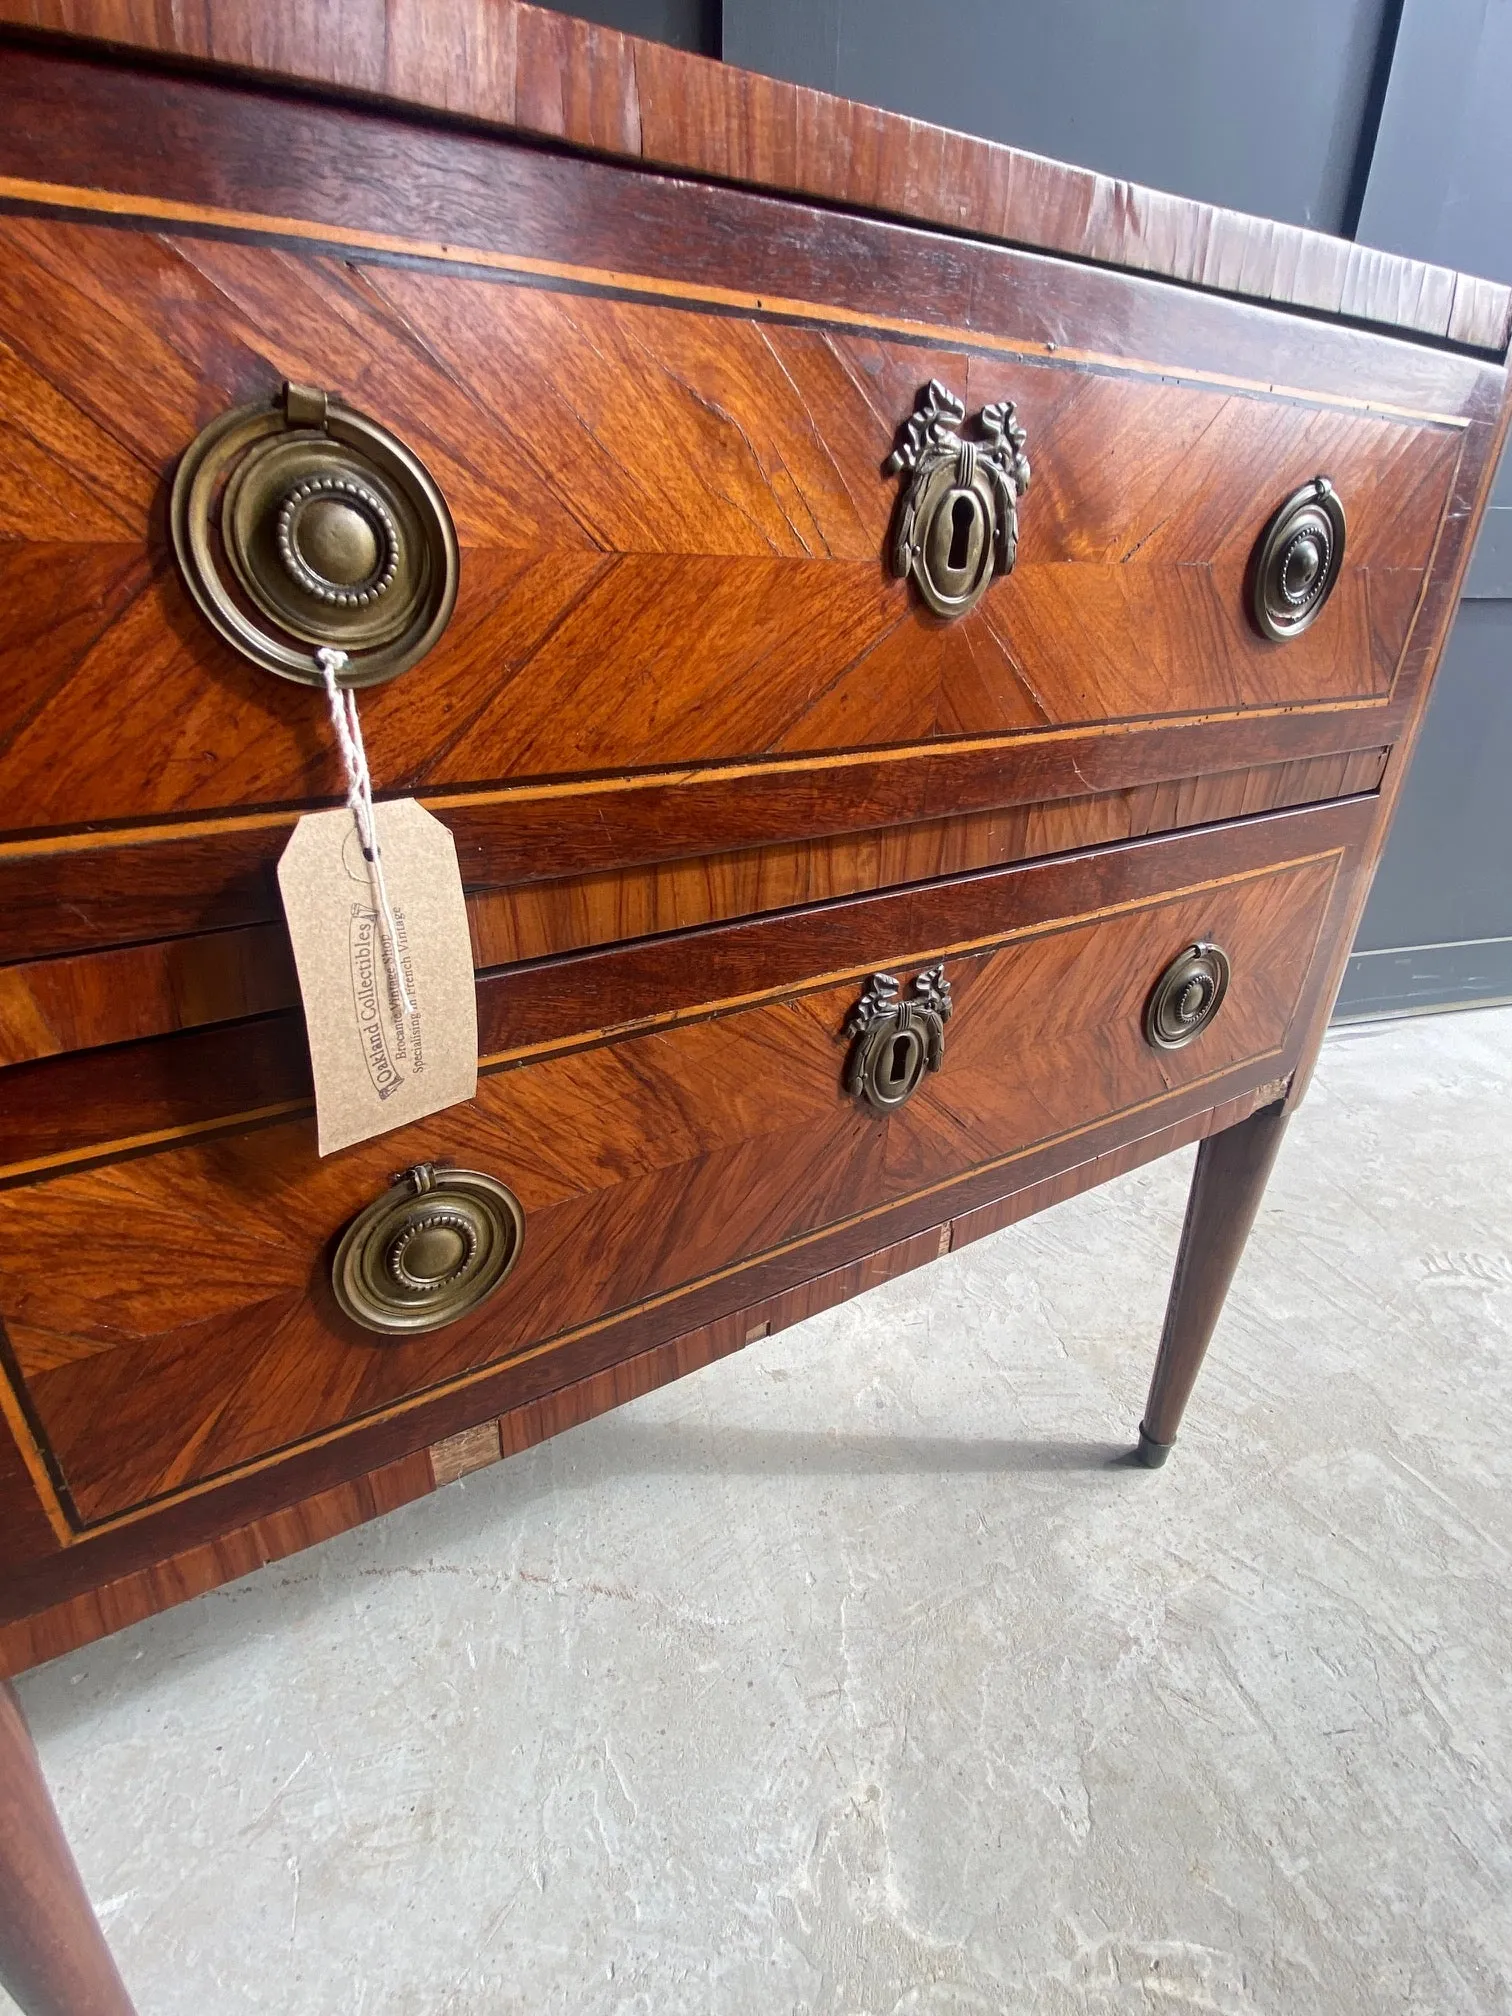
(430,1250)
(897,1039)
(301,524)
(956,522)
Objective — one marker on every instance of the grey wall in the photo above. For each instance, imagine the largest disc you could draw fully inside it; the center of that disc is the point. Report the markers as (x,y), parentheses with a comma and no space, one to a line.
(1206,97)
(1438,928)
(1387,120)
(686,24)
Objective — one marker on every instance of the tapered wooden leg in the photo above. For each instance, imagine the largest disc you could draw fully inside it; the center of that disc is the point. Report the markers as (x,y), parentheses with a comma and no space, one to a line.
(1227,1186)
(53,1956)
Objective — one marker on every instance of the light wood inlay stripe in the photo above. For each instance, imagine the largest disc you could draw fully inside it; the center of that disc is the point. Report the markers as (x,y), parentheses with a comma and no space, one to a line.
(440,802)
(672,1018)
(165,210)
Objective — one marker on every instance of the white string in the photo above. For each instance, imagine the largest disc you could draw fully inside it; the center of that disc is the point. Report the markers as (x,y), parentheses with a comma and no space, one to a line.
(360,798)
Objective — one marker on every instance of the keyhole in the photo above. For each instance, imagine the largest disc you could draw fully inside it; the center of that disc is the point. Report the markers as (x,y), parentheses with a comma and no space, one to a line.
(962,518)
(902,1052)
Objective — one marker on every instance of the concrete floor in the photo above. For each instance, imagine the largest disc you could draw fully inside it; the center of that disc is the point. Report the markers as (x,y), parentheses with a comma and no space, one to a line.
(848,1677)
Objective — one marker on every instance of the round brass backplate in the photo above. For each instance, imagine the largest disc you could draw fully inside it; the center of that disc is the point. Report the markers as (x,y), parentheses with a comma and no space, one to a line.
(428,1251)
(1297,561)
(303,524)
(1186,997)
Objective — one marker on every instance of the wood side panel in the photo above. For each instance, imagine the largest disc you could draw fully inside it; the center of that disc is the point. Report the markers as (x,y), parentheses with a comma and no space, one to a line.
(50,1006)
(68,893)
(100,1584)
(97,1102)
(641,1166)
(673,526)
(524,68)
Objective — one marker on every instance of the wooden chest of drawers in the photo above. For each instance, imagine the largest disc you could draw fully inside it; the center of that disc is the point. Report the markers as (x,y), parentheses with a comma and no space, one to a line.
(865,843)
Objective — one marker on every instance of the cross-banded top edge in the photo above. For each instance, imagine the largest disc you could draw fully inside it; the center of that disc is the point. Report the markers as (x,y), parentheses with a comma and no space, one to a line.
(555,77)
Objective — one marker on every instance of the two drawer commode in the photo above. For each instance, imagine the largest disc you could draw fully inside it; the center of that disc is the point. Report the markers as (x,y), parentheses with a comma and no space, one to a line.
(916,647)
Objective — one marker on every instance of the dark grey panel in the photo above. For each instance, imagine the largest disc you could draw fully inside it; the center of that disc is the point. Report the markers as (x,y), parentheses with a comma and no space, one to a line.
(1490,576)
(1415,979)
(1421,132)
(795,39)
(686,24)
(1447,877)
(1260,108)
(1441,177)
(1439,922)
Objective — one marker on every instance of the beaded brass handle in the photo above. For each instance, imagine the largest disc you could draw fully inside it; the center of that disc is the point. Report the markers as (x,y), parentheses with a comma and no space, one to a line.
(1297,561)
(302,525)
(1187,996)
(431,1249)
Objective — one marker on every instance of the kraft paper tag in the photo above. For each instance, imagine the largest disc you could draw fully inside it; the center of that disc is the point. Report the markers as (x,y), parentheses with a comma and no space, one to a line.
(378,1065)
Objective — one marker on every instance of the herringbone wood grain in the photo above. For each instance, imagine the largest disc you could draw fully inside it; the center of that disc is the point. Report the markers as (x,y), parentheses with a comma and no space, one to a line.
(193,1329)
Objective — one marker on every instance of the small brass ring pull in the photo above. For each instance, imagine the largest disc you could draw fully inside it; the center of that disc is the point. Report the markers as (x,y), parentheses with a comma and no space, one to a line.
(303,525)
(431,1249)
(1297,561)
(1187,996)
(896,1040)
(957,518)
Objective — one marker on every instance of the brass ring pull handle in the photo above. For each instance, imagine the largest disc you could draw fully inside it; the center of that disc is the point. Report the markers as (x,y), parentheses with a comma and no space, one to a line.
(1297,561)
(1187,996)
(428,1251)
(957,518)
(302,524)
(896,1040)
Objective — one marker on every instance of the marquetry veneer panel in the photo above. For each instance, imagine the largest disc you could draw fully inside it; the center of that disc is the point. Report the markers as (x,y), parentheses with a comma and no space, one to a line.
(673,525)
(119,1592)
(192,1331)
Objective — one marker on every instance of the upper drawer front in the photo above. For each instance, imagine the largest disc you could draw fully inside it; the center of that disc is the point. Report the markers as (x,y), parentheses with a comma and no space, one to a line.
(673,526)
(193,1329)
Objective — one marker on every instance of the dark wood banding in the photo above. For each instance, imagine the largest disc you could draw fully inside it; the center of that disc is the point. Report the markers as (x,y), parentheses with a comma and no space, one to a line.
(68,893)
(535,72)
(88,1000)
(98,1102)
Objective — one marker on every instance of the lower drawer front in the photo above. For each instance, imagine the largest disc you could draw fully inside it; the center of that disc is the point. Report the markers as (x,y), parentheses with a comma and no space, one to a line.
(170,1318)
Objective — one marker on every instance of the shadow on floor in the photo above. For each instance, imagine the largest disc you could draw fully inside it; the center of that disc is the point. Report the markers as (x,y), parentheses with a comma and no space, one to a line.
(419,1538)
(646,1449)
